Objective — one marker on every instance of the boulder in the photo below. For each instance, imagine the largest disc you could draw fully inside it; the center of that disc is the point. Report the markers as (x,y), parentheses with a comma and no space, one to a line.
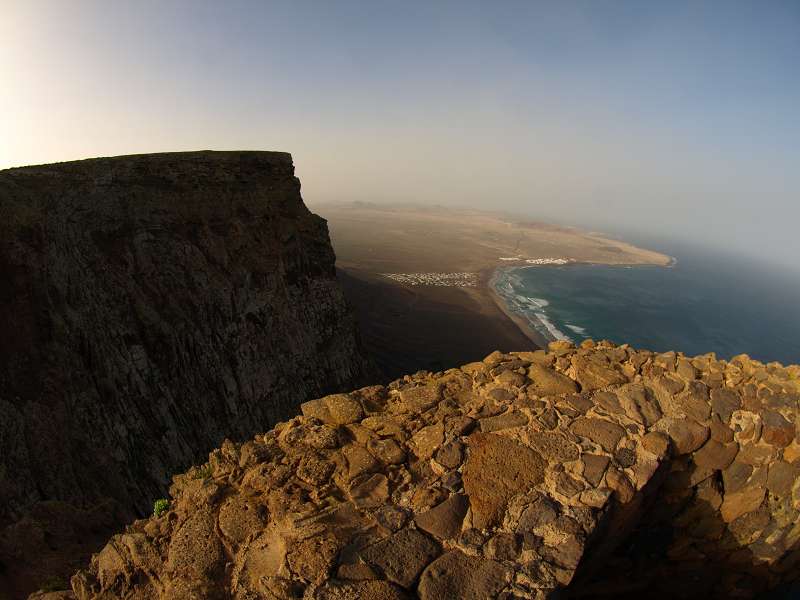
(714,455)
(746,500)
(496,469)
(593,375)
(337,409)
(444,520)
(600,431)
(456,575)
(548,382)
(402,556)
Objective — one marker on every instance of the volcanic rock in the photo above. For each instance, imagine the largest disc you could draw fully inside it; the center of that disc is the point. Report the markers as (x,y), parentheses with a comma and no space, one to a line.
(601,505)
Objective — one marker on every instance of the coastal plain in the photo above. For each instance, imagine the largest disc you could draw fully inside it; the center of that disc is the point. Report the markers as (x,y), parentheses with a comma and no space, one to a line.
(433,327)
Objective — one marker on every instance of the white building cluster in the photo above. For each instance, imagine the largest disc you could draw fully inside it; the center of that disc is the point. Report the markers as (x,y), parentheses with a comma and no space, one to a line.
(548,261)
(440,279)
(538,261)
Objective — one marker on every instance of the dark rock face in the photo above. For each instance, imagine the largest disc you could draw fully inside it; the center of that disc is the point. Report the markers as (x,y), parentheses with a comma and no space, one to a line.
(150,306)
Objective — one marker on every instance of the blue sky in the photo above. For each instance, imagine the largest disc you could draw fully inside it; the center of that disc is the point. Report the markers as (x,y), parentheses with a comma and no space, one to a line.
(674,118)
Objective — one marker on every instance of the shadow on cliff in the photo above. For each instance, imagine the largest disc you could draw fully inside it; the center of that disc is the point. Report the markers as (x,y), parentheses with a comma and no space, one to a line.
(684,550)
(54,539)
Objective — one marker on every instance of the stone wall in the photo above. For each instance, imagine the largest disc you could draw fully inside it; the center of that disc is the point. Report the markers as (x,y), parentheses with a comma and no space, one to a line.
(596,471)
(151,305)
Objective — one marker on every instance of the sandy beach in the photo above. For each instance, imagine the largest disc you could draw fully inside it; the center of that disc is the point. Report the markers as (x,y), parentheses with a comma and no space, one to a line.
(524,325)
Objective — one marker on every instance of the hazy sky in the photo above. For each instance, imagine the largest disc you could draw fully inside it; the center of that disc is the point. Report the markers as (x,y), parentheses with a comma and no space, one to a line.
(679,118)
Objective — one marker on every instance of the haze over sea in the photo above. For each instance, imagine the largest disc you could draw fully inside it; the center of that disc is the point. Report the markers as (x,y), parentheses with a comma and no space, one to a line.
(705,303)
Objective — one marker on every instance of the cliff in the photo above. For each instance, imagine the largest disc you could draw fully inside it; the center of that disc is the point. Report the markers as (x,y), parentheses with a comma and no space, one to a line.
(151,305)
(598,471)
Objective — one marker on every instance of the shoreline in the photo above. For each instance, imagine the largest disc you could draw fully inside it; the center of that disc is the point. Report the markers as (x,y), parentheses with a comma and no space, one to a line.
(524,323)
(524,326)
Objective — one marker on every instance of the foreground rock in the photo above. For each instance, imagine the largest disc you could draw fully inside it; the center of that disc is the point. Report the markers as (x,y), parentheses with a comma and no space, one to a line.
(648,475)
(150,306)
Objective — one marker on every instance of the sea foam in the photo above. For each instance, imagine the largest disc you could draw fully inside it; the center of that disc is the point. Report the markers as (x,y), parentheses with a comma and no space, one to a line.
(576,329)
(510,288)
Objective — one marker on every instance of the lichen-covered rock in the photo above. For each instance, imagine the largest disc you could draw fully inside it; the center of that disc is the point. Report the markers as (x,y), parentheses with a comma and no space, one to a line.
(497,469)
(336,409)
(446,519)
(547,382)
(456,575)
(714,455)
(632,489)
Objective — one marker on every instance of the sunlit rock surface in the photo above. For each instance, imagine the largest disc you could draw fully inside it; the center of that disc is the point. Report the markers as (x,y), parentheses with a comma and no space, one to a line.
(597,471)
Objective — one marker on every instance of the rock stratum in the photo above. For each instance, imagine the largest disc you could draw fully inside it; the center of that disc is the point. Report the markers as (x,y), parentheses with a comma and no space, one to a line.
(591,472)
(151,305)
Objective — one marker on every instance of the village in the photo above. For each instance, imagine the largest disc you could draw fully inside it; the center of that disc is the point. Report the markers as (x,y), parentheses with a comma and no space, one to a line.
(538,261)
(438,279)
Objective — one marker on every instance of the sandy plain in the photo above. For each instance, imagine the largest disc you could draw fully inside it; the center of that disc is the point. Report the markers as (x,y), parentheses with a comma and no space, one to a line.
(412,327)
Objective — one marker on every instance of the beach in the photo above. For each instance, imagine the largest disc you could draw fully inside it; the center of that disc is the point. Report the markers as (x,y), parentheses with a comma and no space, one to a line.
(407,329)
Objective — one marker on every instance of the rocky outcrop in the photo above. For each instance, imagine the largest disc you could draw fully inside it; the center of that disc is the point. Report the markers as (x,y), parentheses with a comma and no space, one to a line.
(150,306)
(598,471)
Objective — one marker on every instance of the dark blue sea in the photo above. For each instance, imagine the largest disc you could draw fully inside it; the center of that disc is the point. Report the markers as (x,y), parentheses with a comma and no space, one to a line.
(706,302)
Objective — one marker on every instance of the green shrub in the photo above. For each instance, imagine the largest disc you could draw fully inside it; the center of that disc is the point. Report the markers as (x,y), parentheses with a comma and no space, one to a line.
(204,472)
(160,506)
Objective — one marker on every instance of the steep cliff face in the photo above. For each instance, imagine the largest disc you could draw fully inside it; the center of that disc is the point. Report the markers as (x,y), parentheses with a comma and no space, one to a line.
(595,472)
(151,305)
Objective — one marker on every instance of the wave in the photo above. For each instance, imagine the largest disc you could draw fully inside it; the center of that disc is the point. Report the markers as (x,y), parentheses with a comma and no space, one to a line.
(576,329)
(510,288)
(554,331)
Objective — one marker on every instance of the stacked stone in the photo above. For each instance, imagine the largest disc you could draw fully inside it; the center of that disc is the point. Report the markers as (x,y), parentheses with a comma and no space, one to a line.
(520,476)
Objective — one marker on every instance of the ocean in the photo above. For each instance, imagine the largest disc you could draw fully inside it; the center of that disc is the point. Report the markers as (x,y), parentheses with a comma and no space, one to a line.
(704,303)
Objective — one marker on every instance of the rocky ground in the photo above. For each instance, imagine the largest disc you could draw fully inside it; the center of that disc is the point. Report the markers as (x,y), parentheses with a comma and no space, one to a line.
(596,471)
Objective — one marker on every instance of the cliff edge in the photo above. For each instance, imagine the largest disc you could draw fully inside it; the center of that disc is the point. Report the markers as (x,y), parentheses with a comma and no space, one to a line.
(599,471)
(151,305)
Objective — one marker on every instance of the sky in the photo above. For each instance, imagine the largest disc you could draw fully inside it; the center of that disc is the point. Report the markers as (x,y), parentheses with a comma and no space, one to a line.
(673,119)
